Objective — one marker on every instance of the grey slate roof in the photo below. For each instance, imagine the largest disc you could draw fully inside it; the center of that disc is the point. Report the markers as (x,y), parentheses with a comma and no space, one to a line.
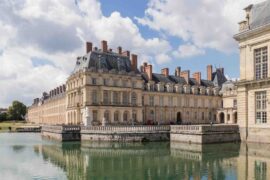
(260,14)
(176,80)
(218,78)
(101,60)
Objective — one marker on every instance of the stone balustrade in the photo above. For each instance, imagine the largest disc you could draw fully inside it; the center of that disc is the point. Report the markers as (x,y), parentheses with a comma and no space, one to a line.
(203,129)
(125,129)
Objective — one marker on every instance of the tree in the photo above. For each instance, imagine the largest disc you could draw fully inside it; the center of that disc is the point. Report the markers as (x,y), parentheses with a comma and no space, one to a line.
(16,111)
(3,116)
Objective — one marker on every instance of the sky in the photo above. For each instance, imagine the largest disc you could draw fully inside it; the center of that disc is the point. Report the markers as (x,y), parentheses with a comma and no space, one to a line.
(40,40)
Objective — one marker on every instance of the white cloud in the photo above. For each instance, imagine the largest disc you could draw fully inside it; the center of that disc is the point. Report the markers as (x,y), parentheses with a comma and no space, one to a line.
(56,31)
(188,50)
(163,58)
(204,23)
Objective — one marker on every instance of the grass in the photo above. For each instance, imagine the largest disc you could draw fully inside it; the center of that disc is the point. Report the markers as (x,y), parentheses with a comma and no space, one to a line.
(4,126)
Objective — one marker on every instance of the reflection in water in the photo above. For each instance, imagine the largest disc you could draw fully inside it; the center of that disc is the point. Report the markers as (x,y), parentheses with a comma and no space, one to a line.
(144,161)
(53,160)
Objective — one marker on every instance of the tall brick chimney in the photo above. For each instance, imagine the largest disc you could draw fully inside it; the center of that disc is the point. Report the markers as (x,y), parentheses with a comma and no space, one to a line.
(148,71)
(177,71)
(119,50)
(134,62)
(209,72)
(104,46)
(165,72)
(197,76)
(126,53)
(185,75)
(89,47)
(143,66)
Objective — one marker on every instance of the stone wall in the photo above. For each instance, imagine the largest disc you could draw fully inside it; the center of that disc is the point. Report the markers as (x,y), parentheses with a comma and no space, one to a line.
(126,133)
(204,134)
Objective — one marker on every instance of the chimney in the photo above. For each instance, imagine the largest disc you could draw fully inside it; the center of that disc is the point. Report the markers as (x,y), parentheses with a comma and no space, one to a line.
(209,72)
(185,75)
(104,46)
(119,50)
(165,72)
(177,71)
(148,71)
(197,76)
(89,47)
(126,53)
(134,62)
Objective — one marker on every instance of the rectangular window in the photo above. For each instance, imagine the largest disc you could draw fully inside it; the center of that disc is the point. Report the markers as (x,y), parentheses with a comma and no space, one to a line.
(161,101)
(94,81)
(151,100)
(261,106)
(260,170)
(234,103)
(170,101)
(106,97)
(261,63)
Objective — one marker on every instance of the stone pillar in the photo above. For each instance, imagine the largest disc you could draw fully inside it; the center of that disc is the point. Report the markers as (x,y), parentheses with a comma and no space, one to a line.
(88,117)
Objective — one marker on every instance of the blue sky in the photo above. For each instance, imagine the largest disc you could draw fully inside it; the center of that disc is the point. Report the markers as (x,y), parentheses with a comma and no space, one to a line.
(230,61)
(41,40)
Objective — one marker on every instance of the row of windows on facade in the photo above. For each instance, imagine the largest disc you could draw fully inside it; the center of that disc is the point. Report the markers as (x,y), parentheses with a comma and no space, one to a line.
(126,98)
(261,63)
(115,82)
(176,88)
(188,115)
(116,116)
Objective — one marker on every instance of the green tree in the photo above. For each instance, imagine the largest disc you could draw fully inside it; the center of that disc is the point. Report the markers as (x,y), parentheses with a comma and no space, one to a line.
(16,111)
(3,116)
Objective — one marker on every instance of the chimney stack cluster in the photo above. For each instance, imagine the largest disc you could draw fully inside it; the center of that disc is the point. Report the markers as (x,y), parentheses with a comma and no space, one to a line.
(58,90)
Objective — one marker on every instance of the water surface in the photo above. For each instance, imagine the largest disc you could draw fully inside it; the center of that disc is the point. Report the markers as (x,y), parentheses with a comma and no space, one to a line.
(28,156)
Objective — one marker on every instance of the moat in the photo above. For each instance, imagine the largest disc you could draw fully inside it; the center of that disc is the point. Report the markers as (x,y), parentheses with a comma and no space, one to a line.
(28,156)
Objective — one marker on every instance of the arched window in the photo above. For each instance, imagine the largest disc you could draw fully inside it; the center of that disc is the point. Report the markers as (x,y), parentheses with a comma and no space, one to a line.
(94,97)
(116,116)
(125,116)
(107,116)
(134,98)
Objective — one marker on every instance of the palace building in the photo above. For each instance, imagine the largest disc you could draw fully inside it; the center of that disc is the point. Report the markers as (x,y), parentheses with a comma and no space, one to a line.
(107,88)
(253,89)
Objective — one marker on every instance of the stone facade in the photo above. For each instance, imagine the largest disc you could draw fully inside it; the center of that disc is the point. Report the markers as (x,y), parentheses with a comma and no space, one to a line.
(253,90)
(106,88)
(228,113)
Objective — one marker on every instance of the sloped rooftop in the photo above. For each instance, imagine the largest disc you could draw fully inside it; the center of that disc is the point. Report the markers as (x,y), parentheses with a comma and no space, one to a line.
(260,14)
(100,60)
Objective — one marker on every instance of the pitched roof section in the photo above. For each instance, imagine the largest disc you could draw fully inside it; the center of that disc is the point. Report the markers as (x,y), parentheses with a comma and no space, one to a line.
(218,77)
(100,60)
(260,14)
